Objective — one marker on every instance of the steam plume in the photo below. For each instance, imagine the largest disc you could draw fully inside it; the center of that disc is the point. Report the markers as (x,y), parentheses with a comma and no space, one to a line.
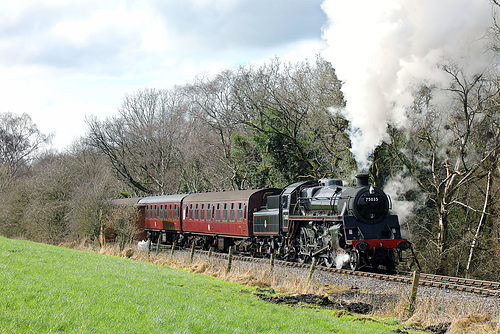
(384,49)
(396,188)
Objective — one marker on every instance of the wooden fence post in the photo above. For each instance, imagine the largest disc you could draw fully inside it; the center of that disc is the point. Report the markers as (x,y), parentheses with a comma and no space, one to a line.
(149,245)
(157,245)
(102,237)
(173,249)
(229,260)
(313,267)
(413,292)
(210,251)
(271,263)
(192,251)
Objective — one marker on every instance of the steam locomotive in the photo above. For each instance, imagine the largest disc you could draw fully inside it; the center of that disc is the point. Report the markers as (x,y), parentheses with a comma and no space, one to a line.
(348,227)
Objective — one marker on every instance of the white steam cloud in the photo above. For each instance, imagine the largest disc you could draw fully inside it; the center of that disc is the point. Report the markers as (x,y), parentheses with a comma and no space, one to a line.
(341,259)
(396,188)
(384,49)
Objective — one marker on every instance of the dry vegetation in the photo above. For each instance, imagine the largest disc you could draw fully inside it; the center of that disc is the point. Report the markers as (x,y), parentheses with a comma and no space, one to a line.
(428,314)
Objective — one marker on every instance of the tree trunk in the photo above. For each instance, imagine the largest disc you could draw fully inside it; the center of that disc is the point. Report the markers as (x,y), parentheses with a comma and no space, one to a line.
(478,230)
(442,241)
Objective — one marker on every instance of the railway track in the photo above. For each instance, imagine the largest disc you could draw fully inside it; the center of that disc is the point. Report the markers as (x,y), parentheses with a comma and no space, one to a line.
(486,288)
(479,287)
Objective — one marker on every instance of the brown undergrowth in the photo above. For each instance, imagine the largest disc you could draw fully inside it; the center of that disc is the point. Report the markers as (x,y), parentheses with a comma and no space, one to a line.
(428,314)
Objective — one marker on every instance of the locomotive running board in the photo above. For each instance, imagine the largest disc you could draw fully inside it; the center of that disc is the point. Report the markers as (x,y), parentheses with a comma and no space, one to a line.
(316,218)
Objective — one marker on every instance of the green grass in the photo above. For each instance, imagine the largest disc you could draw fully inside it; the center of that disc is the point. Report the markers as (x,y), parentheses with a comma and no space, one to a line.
(47,289)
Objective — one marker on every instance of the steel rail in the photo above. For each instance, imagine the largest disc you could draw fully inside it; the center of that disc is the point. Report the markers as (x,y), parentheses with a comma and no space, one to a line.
(480,287)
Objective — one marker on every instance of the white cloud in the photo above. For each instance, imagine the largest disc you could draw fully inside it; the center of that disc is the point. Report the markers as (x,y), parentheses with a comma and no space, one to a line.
(61,61)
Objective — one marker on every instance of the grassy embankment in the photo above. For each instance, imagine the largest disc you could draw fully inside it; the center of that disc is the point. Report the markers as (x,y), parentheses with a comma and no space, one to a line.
(51,289)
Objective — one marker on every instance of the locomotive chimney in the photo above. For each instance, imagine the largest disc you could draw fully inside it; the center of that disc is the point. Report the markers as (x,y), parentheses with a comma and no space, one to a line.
(362,180)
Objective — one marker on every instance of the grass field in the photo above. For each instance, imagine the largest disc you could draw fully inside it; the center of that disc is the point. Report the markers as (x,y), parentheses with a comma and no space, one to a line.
(48,289)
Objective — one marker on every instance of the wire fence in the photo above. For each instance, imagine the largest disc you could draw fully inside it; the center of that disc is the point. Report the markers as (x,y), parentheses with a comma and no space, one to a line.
(392,299)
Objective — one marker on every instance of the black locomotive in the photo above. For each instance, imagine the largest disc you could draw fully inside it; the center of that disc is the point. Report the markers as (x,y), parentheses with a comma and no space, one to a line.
(343,226)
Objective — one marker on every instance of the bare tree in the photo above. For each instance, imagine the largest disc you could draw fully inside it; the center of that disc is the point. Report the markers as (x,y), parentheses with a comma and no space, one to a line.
(142,142)
(94,185)
(14,197)
(450,148)
(20,139)
(123,221)
(45,217)
(212,106)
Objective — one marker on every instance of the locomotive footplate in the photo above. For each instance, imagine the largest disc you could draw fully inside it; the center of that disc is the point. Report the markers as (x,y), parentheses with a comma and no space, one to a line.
(331,219)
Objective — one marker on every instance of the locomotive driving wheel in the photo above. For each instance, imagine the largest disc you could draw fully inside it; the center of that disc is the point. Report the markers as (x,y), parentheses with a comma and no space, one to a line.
(354,260)
(329,259)
(303,249)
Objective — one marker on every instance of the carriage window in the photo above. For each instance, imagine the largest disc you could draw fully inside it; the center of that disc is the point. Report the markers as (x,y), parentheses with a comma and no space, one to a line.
(175,211)
(202,212)
(244,212)
(155,213)
(224,213)
(209,216)
(240,215)
(190,211)
(231,213)
(196,213)
(169,211)
(217,213)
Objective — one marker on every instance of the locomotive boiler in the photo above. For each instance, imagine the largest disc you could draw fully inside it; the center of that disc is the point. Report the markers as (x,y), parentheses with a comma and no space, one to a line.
(349,227)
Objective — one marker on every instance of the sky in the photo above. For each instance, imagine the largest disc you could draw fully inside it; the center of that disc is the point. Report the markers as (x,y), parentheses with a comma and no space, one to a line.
(62,61)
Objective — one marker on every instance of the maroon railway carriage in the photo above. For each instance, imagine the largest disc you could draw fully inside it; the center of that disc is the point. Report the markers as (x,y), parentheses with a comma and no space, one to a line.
(228,213)
(162,216)
(209,219)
